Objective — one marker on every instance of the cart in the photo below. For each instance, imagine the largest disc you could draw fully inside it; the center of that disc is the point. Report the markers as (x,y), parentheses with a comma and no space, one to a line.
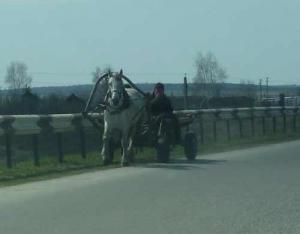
(157,133)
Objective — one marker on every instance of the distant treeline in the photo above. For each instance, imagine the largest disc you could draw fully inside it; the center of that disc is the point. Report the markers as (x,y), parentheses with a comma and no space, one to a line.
(30,103)
(228,90)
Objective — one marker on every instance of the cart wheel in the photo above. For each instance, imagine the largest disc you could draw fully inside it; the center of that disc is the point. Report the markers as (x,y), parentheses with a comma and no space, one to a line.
(190,146)
(163,150)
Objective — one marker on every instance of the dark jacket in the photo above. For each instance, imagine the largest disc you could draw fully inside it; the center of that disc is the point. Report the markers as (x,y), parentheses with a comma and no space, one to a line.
(160,104)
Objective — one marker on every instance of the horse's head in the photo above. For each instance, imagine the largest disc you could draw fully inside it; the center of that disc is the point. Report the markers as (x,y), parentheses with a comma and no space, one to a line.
(115,88)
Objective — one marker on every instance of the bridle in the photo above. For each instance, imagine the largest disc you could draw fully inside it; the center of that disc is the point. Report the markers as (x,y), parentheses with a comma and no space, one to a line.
(116,100)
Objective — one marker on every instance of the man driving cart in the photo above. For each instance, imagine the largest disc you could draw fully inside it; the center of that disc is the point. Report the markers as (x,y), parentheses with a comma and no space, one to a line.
(160,107)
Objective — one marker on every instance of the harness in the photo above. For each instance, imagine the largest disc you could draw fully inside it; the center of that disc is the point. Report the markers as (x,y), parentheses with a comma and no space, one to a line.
(106,105)
(125,104)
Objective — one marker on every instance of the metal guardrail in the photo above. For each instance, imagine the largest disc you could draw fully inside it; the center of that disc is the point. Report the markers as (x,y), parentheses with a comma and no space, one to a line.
(33,125)
(261,114)
(239,110)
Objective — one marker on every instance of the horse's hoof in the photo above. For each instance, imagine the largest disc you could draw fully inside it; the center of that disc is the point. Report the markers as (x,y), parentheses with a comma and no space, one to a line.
(132,160)
(106,162)
(125,164)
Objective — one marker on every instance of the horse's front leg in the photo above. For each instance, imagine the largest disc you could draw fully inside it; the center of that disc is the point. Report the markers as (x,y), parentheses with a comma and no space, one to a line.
(130,144)
(107,147)
(125,144)
(107,151)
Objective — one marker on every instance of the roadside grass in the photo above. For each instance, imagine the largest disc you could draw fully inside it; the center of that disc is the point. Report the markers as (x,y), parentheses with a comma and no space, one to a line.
(25,171)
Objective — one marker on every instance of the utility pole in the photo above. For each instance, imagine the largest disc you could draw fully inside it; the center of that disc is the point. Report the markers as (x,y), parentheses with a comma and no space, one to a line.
(260,89)
(267,83)
(185,92)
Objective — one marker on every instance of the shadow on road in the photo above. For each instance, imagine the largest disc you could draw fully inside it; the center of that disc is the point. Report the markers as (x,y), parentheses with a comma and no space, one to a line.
(206,161)
(181,164)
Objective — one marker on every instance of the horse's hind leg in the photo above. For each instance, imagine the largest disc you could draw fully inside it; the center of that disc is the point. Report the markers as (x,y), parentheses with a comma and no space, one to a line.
(131,154)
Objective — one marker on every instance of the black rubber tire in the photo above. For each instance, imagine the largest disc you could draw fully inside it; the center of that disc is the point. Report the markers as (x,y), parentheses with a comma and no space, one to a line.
(190,146)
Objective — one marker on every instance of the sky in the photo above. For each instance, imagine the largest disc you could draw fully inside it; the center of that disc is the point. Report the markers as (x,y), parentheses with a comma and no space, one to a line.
(62,41)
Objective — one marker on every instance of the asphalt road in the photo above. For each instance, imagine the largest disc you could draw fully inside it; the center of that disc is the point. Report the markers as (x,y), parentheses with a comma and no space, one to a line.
(247,191)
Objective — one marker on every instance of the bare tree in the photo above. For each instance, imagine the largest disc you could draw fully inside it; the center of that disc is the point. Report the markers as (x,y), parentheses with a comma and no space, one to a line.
(17,77)
(210,76)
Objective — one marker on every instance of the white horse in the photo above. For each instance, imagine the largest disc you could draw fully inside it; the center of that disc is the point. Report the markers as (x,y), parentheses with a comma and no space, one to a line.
(124,109)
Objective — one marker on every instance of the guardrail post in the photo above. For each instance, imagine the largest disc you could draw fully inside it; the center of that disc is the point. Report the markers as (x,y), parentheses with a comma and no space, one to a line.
(284,119)
(215,129)
(216,114)
(264,125)
(252,120)
(284,123)
(295,120)
(274,124)
(82,143)
(77,123)
(201,129)
(8,129)
(241,127)
(268,115)
(36,157)
(228,129)
(236,116)
(44,123)
(60,148)
(8,150)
